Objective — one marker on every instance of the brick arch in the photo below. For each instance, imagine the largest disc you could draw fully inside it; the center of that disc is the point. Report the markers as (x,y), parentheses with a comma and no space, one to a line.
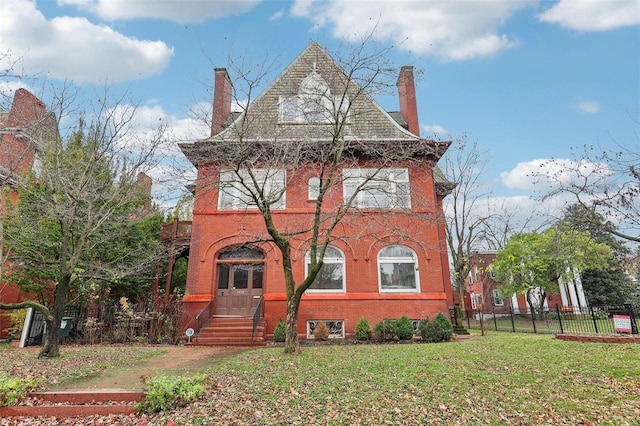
(391,239)
(348,249)
(236,239)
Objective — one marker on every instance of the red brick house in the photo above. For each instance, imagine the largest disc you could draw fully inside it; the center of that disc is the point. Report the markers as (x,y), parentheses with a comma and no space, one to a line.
(383,262)
(21,130)
(483,292)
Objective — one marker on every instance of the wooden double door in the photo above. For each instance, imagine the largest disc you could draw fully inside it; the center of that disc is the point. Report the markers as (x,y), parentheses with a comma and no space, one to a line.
(239,287)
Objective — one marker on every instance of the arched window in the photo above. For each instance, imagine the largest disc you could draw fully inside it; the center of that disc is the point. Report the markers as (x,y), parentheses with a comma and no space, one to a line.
(398,269)
(331,277)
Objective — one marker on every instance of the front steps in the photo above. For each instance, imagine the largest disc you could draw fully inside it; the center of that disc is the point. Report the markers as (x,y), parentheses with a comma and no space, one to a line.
(231,331)
(63,404)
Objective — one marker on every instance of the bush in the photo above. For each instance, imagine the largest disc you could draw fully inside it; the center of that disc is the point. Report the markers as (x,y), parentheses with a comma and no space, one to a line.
(16,319)
(386,330)
(14,389)
(438,330)
(280,331)
(363,329)
(404,328)
(167,393)
(321,332)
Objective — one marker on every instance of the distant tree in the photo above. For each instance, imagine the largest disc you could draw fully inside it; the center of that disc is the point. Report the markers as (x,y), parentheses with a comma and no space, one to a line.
(531,263)
(474,220)
(466,209)
(83,220)
(605,182)
(610,285)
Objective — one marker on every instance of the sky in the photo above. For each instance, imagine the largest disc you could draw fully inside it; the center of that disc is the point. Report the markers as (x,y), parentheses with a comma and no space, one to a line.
(525,80)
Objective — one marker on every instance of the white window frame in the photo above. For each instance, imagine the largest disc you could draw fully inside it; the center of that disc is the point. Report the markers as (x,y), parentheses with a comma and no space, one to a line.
(386,188)
(413,259)
(328,260)
(496,300)
(233,196)
(473,301)
(313,188)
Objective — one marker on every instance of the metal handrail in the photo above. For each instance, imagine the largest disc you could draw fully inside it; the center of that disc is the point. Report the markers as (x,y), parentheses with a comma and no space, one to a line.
(256,317)
(199,322)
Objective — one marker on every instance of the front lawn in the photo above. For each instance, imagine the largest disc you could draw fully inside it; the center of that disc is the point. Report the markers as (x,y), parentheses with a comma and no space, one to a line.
(502,378)
(499,379)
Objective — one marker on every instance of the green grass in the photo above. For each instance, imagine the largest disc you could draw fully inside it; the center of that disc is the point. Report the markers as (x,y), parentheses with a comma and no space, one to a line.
(497,379)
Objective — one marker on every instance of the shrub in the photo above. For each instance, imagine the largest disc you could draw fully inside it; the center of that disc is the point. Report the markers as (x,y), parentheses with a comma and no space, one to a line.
(167,393)
(280,331)
(404,328)
(13,389)
(363,329)
(321,332)
(16,319)
(438,330)
(386,330)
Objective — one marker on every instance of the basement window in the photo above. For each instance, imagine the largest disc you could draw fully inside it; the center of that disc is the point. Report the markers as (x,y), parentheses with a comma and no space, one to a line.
(336,328)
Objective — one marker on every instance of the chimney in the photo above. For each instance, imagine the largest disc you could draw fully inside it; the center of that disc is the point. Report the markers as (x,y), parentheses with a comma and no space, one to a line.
(221,101)
(407,96)
(25,110)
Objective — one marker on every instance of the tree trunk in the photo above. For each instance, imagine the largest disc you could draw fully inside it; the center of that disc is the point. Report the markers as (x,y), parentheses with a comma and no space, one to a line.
(291,343)
(51,348)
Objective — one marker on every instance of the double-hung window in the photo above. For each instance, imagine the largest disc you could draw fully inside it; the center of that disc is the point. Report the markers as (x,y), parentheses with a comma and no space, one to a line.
(377,188)
(238,190)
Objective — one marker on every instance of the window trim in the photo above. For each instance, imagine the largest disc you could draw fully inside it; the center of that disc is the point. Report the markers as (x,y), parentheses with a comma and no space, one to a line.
(331,260)
(405,260)
(495,298)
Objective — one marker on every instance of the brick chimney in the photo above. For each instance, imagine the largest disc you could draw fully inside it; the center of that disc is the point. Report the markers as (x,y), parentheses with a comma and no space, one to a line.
(221,100)
(407,96)
(25,110)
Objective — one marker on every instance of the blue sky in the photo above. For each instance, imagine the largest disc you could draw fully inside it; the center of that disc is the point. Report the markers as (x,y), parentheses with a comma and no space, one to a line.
(527,80)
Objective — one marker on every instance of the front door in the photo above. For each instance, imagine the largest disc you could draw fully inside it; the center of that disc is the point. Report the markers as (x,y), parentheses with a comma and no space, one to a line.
(239,286)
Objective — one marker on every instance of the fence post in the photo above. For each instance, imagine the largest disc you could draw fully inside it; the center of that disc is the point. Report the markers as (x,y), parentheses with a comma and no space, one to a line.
(559,319)
(495,323)
(533,319)
(634,324)
(513,324)
(593,317)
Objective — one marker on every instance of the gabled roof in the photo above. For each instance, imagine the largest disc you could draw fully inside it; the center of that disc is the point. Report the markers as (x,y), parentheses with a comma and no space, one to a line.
(368,124)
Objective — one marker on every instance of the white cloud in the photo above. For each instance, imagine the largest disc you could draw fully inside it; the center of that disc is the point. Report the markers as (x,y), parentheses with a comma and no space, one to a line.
(589,107)
(279,14)
(179,11)
(54,47)
(543,175)
(593,15)
(434,130)
(448,30)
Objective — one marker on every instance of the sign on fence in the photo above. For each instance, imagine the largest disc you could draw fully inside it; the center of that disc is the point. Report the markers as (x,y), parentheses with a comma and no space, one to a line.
(622,323)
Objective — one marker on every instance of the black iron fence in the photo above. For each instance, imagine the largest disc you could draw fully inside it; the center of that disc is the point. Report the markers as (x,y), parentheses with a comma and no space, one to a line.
(121,323)
(590,320)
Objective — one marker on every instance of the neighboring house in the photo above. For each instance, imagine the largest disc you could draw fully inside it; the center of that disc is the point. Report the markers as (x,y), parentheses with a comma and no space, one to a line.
(369,270)
(21,130)
(484,295)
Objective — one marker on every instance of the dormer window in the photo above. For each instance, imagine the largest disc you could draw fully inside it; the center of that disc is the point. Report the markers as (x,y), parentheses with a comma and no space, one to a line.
(313,104)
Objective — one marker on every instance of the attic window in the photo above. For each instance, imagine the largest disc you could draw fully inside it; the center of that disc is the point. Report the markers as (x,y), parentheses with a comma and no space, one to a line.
(314,103)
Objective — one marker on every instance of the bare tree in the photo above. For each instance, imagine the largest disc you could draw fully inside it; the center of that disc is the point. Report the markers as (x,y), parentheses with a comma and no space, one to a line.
(254,164)
(75,219)
(605,182)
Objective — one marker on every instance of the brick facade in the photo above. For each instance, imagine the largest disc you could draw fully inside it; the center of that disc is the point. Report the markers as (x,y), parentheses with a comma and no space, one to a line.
(362,233)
